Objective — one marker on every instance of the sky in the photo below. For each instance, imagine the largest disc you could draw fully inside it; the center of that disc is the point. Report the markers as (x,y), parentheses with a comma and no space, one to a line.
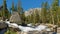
(26,4)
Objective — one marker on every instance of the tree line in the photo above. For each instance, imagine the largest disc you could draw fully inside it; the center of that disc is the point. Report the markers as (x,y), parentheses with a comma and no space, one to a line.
(49,14)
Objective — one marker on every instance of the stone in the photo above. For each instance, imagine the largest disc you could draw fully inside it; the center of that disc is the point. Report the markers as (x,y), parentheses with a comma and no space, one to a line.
(15,18)
(3,25)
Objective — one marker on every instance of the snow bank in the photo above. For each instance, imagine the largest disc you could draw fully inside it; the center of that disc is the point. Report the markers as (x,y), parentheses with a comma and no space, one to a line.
(41,27)
(13,25)
(29,24)
(38,28)
(8,22)
(27,29)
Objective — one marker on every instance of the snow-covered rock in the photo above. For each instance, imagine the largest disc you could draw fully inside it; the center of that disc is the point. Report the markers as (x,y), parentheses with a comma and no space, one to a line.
(13,25)
(29,24)
(32,10)
(40,27)
(8,22)
(48,29)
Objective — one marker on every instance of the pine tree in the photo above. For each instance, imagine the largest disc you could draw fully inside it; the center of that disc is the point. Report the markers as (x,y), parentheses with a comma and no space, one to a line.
(35,17)
(5,10)
(19,8)
(44,12)
(51,16)
(55,6)
(58,16)
(4,6)
(13,6)
(20,11)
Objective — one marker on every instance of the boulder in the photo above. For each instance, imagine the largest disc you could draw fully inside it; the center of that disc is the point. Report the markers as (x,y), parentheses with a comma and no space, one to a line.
(15,18)
(3,25)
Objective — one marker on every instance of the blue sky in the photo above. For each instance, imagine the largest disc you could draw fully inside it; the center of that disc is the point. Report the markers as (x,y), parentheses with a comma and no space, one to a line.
(27,4)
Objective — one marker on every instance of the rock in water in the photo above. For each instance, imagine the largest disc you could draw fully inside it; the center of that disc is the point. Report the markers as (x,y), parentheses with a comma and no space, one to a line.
(15,18)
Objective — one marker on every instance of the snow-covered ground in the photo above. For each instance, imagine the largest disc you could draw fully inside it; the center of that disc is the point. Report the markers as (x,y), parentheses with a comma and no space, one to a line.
(27,29)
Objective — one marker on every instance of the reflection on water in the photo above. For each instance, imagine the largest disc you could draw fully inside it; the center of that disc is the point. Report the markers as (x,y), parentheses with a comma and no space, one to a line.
(3,31)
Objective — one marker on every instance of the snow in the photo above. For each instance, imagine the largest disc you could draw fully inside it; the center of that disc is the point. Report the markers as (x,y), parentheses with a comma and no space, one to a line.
(48,29)
(41,26)
(14,25)
(7,22)
(27,29)
(29,24)
(38,28)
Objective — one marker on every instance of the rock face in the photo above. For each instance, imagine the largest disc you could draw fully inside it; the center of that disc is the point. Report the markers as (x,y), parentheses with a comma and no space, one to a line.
(15,18)
(32,10)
